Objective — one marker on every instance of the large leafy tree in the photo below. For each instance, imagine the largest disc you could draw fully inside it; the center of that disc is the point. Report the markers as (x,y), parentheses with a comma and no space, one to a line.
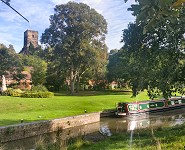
(149,61)
(155,46)
(117,66)
(153,53)
(155,59)
(77,35)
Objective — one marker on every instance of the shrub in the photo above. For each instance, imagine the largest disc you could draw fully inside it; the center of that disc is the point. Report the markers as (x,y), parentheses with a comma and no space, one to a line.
(39,88)
(13,92)
(37,94)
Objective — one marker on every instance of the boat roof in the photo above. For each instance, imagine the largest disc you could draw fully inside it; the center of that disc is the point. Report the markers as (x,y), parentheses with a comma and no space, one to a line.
(155,100)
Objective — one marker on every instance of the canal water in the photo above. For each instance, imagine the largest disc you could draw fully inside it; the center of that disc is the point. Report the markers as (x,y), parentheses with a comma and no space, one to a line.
(103,129)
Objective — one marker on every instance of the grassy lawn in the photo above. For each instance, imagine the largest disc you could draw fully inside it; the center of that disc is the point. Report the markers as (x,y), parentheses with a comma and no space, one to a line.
(169,138)
(13,109)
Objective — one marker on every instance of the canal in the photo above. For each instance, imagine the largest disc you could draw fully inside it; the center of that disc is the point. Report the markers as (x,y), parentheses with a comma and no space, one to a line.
(103,129)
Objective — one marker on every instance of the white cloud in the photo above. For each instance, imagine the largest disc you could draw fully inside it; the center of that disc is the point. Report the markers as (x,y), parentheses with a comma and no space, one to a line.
(57,2)
(91,2)
(12,26)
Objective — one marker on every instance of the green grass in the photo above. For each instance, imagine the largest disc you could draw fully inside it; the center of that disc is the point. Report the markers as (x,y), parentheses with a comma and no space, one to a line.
(13,109)
(168,138)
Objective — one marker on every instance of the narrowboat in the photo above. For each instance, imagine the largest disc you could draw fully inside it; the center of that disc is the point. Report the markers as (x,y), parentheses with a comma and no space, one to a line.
(128,108)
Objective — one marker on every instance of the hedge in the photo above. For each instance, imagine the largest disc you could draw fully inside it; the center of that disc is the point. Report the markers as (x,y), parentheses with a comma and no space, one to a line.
(37,94)
(12,92)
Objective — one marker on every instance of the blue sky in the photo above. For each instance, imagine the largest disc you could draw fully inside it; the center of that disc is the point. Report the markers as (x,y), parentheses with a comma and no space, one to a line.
(12,26)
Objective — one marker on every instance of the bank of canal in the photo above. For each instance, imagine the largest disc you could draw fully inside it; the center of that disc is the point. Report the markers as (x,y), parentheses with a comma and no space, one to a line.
(131,129)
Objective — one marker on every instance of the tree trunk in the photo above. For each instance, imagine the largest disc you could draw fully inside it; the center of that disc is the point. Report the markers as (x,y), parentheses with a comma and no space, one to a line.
(72,87)
(78,84)
(72,81)
(134,89)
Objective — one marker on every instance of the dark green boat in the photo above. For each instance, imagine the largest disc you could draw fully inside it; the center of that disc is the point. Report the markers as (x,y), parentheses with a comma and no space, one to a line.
(125,108)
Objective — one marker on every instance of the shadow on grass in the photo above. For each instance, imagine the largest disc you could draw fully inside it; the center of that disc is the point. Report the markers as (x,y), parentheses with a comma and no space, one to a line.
(95,93)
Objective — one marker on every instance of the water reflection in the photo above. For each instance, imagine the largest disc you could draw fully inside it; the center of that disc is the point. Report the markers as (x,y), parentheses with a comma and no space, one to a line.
(134,122)
(104,130)
(106,127)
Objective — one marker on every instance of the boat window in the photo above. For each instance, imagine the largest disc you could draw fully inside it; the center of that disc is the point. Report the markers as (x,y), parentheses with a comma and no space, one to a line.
(176,101)
(172,103)
(132,107)
(180,101)
(143,106)
(152,105)
(183,100)
(160,104)
(169,103)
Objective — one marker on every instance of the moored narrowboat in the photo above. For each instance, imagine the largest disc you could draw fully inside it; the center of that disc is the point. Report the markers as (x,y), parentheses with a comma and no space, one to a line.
(127,108)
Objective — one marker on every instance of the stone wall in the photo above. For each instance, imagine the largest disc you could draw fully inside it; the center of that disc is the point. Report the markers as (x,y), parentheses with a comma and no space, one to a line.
(61,136)
(24,130)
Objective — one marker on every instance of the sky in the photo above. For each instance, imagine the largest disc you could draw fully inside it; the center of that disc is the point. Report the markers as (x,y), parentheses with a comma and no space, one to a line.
(12,26)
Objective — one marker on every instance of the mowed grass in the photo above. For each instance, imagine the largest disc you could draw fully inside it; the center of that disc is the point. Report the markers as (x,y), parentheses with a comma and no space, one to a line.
(15,109)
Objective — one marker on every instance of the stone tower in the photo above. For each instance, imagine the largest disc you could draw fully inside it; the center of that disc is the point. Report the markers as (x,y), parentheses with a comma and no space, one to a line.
(30,36)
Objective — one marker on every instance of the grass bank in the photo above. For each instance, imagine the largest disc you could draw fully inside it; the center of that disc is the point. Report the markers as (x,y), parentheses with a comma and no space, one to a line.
(14,109)
(168,138)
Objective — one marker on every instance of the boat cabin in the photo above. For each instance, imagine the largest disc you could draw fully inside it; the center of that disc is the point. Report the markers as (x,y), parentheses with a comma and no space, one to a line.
(124,108)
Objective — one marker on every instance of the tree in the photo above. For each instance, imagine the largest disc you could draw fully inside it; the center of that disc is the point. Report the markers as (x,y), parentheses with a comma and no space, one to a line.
(117,67)
(156,43)
(9,60)
(155,61)
(155,12)
(77,35)
(57,75)
(151,61)
(39,68)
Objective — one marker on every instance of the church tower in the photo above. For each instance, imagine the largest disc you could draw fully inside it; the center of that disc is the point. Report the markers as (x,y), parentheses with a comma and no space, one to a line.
(30,37)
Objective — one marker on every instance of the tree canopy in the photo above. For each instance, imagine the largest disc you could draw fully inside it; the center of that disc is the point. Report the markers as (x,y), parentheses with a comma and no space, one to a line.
(153,55)
(77,36)
(39,68)
(155,12)
(9,60)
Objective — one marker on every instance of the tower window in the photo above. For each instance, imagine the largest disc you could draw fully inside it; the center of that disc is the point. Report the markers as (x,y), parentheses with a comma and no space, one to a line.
(32,36)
